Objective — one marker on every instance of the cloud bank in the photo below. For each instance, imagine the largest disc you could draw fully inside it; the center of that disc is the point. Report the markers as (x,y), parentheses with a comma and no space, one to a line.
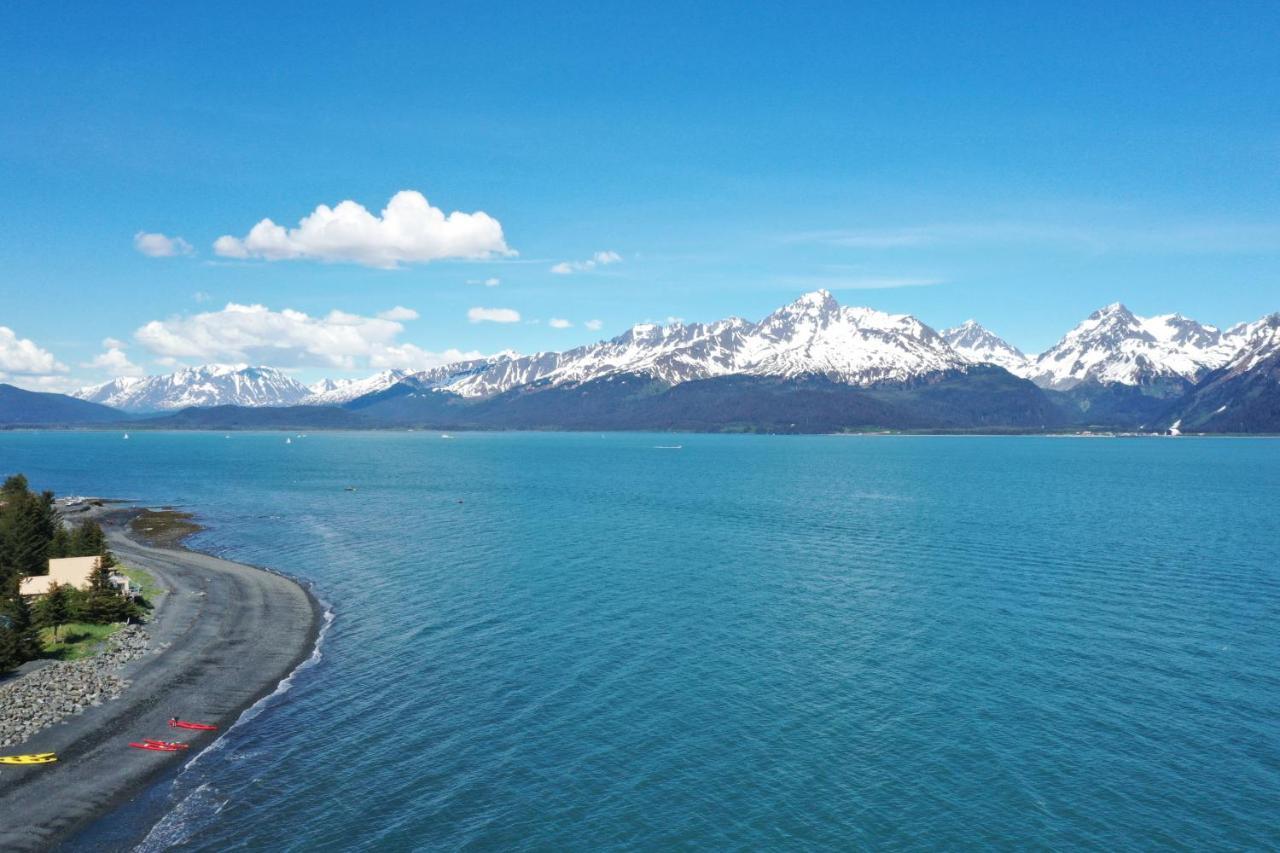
(409,231)
(23,357)
(256,334)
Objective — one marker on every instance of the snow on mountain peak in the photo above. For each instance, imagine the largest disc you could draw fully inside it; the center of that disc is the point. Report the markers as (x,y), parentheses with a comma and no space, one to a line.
(206,385)
(975,343)
(811,336)
(1115,345)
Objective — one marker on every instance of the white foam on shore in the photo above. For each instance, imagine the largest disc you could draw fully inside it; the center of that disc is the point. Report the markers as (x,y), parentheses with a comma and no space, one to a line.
(175,826)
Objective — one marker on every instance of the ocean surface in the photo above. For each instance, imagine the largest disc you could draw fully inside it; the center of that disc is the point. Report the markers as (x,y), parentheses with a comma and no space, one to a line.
(586,642)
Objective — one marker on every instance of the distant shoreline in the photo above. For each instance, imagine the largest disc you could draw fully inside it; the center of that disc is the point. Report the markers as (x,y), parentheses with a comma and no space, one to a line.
(226,635)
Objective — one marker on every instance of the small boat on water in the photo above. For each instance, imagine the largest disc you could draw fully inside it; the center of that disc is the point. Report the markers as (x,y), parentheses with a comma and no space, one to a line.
(668,447)
(288,441)
(445,435)
(349,489)
(126,436)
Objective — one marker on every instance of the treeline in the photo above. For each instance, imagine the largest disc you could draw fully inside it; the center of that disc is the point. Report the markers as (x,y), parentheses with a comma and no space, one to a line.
(32,533)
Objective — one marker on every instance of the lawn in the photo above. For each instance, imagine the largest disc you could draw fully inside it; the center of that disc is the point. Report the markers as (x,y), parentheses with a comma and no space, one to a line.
(76,639)
(142,582)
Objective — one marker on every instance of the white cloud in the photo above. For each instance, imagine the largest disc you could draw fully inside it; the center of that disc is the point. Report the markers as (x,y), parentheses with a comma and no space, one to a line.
(599,259)
(160,246)
(493,315)
(258,335)
(114,362)
(409,230)
(559,323)
(671,320)
(594,325)
(22,356)
(113,343)
(399,313)
(487,282)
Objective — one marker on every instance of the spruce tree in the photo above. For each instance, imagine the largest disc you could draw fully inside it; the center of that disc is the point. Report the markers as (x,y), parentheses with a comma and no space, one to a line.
(60,545)
(104,603)
(21,641)
(54,610)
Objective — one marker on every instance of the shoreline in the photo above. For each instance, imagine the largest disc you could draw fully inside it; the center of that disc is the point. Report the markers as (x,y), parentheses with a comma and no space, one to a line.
(215,616)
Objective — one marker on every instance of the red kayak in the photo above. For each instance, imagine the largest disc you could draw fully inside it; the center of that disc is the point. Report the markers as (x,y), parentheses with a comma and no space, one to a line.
(154,747)
(168,744)
(183,724)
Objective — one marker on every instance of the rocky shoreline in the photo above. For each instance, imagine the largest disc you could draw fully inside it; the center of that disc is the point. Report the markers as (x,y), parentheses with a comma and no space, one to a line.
(32,702)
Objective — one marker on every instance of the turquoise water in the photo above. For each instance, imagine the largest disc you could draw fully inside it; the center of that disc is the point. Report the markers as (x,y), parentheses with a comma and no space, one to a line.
(576,642)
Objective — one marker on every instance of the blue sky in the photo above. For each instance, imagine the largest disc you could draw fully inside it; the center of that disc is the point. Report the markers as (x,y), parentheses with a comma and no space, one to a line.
(1022,164)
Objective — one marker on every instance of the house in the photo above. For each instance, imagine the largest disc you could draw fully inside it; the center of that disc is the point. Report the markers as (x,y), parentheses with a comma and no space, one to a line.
(69,571)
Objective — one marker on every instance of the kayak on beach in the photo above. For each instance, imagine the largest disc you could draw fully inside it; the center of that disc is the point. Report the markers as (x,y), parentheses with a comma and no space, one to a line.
(172,744)
(33,758)
(183,724)
(155,746)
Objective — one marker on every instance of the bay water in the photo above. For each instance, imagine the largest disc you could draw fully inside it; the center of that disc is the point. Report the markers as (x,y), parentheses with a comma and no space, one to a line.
(634,641)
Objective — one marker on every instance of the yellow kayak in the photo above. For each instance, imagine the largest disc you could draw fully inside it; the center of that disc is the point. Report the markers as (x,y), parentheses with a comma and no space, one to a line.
(34,758)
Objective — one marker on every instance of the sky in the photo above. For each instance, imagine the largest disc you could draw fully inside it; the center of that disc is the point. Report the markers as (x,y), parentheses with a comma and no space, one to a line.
(334,190)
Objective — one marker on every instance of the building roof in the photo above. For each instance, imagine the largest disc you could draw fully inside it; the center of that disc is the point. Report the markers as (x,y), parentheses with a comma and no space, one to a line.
(67,571)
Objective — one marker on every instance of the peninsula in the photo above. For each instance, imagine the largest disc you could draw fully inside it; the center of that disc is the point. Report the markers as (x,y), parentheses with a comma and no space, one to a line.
(222,635)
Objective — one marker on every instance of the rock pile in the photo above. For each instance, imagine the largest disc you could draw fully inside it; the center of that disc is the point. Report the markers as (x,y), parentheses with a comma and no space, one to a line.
(54,692)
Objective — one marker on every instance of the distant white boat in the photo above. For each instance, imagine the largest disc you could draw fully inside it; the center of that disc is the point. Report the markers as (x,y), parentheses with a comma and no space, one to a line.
(126,436)
(288,441)
(445,435)
(668,447)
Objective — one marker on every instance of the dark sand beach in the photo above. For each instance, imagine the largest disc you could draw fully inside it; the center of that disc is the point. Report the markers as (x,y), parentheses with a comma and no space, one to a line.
(233,632)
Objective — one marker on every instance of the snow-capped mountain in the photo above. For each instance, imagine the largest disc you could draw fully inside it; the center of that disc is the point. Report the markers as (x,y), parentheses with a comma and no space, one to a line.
(1114,345)
(335,392)
(981,346)
(812,336)
(209,385)
(1244,395)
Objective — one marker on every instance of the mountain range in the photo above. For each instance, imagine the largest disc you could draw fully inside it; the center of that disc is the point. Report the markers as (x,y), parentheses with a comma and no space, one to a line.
(812,365)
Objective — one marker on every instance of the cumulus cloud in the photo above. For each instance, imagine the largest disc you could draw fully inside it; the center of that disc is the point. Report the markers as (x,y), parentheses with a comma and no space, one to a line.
(155,245)
(493,315)
(559,323)
(258,335)
(23,357)
(399,313)
(409,230)
(594,325)
(599,259)
(114,362)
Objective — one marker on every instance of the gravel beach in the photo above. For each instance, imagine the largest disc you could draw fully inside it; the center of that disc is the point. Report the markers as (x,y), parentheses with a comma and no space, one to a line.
(221,637)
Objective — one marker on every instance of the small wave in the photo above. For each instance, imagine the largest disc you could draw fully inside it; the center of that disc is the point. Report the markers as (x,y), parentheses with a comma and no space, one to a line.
(179,824)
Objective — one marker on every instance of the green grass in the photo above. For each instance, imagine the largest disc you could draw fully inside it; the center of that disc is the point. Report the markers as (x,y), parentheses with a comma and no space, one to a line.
(76,639)
(142,581)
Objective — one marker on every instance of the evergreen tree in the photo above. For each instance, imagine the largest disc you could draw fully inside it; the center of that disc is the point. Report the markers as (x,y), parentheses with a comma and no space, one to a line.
(19,640)
(27,525)
(54,610)
(15,484)
(104,603)
(60,545)
(88,540)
